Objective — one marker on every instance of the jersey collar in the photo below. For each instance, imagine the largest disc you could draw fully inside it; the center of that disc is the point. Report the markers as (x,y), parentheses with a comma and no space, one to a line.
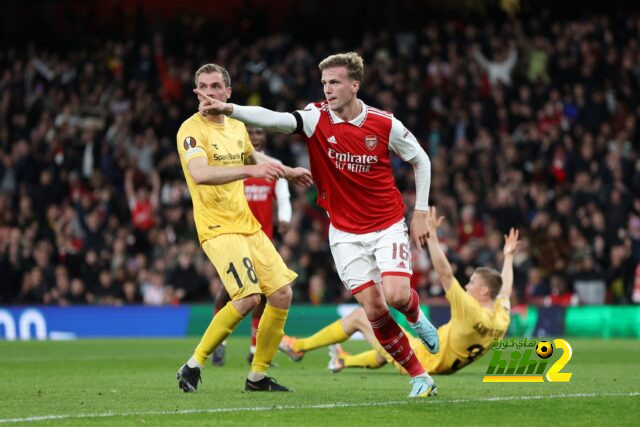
(357,121)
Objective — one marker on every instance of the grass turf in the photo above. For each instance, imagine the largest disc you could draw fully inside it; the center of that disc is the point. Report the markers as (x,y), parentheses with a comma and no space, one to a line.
(132,382)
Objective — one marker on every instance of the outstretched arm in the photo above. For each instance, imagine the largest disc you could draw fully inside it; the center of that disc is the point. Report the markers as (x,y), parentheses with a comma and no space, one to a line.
(510,244)
(254,116)
(438,258)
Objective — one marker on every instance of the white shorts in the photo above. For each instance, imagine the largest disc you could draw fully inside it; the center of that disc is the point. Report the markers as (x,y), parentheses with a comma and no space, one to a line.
(363,259)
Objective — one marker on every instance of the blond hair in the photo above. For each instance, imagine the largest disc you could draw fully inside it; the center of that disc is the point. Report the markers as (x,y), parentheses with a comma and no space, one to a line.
(491,278)
(351,60)
(213,68)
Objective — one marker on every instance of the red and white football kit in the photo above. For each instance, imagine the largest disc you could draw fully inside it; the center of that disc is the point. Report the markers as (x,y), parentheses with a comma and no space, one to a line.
(351,166)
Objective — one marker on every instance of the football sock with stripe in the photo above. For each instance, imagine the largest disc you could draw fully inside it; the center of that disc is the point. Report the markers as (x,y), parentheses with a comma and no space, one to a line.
(412,309)
(396,343)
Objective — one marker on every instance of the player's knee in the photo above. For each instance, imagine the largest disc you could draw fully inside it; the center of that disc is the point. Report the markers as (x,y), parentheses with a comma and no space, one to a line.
(375,311)
(396,297)
(281,298)
(362,323)
(246,304)
(358,316)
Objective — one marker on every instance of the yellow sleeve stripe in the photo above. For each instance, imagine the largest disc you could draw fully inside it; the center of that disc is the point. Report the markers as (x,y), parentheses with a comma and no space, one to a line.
(191,152)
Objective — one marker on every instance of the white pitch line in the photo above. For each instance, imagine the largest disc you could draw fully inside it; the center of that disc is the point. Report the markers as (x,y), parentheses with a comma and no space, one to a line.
(318,406)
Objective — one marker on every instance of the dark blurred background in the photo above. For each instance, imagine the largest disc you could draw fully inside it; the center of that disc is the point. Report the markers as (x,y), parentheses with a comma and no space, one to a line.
(528,110)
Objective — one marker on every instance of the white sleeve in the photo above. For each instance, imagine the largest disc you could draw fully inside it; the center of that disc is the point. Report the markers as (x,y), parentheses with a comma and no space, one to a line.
(310,117)
(279,122)
(404,144)
(266,119)
(422,169)
(284,200)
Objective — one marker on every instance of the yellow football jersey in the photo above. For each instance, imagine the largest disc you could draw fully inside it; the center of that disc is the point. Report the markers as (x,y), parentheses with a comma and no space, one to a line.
(468,334)
(217,209)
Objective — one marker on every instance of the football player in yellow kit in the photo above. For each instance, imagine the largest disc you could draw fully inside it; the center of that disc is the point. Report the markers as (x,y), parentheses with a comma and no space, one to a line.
(216,156)
(478,315)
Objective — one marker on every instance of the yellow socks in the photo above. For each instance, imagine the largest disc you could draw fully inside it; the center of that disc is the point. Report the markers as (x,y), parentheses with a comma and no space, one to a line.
(270,333)
(367,359)
(330,334)
(222,324)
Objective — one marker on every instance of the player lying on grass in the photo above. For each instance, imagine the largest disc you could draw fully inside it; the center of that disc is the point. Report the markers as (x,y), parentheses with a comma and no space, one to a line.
(477,317)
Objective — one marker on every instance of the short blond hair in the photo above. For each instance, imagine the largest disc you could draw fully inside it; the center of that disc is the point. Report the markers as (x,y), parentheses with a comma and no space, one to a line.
(491,278)
(213,68)
(351,60)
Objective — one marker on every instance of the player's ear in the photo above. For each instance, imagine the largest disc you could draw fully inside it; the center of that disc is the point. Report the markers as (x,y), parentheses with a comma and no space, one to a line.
(486,291)
(355,85)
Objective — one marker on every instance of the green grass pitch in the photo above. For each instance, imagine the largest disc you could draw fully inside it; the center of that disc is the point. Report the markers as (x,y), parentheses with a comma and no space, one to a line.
(132,382)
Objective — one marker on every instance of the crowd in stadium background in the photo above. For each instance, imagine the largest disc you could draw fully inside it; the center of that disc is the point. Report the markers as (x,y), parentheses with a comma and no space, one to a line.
(530,123)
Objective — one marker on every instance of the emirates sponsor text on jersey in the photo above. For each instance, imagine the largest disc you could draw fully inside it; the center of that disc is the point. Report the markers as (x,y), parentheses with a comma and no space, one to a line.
(359,163)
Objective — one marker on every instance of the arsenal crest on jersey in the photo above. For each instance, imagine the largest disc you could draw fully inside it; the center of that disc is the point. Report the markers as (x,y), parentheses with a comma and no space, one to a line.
(371,141)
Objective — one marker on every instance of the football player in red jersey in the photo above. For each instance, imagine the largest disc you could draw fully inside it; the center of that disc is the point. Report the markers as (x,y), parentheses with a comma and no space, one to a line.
(349,147)
(260,194)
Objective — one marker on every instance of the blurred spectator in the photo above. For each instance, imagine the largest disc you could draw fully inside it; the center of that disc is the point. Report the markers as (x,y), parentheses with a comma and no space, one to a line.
(589,283)
(59,295)
(188,284)
(560,292)
(153,289)
(131,293)
(107,292)
(78,293)
(499,69)
(536,287)
(317,289)
(469,229)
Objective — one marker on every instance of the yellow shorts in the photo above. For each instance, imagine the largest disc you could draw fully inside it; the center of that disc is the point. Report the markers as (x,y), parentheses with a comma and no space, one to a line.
(248,264)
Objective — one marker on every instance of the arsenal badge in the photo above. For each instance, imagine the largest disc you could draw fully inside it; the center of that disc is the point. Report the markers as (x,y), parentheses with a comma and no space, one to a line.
(371,141)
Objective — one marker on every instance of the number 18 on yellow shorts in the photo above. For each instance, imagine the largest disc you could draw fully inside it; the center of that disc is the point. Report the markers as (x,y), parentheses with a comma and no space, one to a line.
(248,264)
